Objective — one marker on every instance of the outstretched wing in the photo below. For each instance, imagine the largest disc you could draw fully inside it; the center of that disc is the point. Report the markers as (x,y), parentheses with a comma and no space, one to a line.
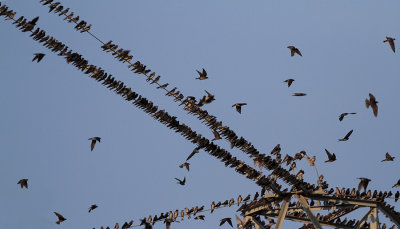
(348,134)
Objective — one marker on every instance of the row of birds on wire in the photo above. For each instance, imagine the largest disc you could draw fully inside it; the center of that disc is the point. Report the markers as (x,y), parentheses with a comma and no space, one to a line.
(26,27)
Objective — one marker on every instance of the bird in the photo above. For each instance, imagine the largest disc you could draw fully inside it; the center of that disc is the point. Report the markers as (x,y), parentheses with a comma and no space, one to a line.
(155,80)
(163,86)
(294,50)
(344,114)
(94,139)
(397,184)
(227,219)
(299,94)
(391,42)
(186,165)
(202,75)
(311,160)
(196,150)
(240,223)
(373,103)
(23,183)
(38,57)
(331,157)
(388,157)
(212,206)
(94,206)
(239,200)
(289,82)
(181,182)
(60,218)
(206,99)
(200,217)
(216,135)
(239,107)
(363,183)
(247,198)
(346,137)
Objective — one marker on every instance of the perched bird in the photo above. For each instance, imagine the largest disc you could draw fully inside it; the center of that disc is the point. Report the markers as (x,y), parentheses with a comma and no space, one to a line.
(299,94)
(212,206)
(94,206)
(196,150)
(181,182)
(87,28)
(60,218)
(228,220)
(289,82)
(346,137)
(294,50)
(373,103)
(239,107)
(363,183)
(391,42)
(200,217)
(247,198)
(331,157)
(163,86)
(311,160)
(23,183)
(239,200)
(94,139)
(155,80)
(186,165)
(343,115)
(397,184)
(38,57)
(388,157)
(202,75)
(216,135)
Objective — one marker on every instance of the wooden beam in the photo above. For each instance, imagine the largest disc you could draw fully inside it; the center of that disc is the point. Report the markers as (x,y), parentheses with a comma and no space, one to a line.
(308,211)
(282,213)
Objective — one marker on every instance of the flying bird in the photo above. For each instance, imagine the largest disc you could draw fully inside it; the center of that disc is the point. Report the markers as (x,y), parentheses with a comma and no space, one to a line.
(228,220)
(299,94)
(346,137)
(60,218)
(186,165)
(390,40)
(181,182)
(397,184)
(239,107)
(196,150)
(94,139)
(38,57)
(373,103)
(200,217)
(240,223)
(23,183)
(202,75)
(363,183)
(216,135)
(294,50)
(206,99)
(289,82)
(94,206)
(388,157)
(331,157)
(344,114)
(311,160)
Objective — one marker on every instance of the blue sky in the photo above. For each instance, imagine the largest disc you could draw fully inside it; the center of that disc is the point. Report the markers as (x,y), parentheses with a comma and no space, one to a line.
(49,110)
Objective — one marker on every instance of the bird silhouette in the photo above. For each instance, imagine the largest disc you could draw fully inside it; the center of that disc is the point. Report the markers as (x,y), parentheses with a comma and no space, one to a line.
(239,107)
(346,137)
(388,157)
(94,139)
(294,50)
(216,135)
(299,94)
(331,157)
(228,220)
(196,150)
(289,82)
(206,99)
(201,217)
(163,86)
(343,115)
(397,184)
(363,183)
(311,160)
(23,183)
(60,218)
(390,40)
(38,57)
(94,206)
(186,165)
(212,207)
(373,103)
(181,182)
(202,75)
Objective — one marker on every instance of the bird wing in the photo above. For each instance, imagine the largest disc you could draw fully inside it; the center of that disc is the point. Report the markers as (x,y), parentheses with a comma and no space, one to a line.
(391,42)
(60,217)
(239,109)
(292,52)
(367,103)
(341,117)
(329,154)
(187,166)
(348,134)
(374,109)
(371,97)
(298,52)
(184,180)
(178,180)
(204,72)
(216,134)
(239,221)
(192,154)
(229,221)
(290,82)
(92,145)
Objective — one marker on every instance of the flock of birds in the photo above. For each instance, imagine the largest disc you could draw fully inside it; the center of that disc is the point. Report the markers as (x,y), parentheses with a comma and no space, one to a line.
(189,102)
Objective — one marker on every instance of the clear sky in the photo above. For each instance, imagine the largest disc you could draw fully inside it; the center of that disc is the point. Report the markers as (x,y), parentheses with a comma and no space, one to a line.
(49,109)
